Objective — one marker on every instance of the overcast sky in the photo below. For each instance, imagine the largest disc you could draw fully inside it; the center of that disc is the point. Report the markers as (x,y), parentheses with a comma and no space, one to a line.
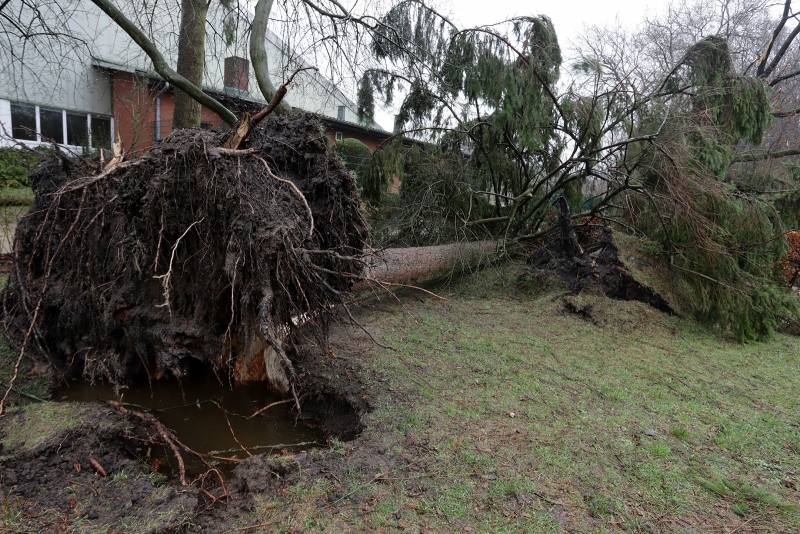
(568,16)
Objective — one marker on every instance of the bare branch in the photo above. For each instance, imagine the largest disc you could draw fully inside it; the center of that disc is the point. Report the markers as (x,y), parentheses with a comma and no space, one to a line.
(278,98)
(258,53)
(782,52)
(761,71)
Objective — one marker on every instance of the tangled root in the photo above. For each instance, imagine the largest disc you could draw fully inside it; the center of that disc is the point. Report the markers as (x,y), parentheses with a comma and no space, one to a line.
(190,253)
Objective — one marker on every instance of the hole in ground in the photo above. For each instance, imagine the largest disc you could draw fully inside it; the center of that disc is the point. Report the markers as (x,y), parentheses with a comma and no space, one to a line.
(195,411)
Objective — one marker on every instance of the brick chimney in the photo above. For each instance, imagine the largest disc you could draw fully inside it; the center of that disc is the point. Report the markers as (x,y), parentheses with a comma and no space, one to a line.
(237,74)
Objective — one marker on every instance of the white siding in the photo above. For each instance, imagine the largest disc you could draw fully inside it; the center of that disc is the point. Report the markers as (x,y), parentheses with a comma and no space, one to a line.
(5,121)
(64,77)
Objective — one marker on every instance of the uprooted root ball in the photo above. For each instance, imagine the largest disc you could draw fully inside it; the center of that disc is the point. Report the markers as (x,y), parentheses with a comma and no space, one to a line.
(190,253)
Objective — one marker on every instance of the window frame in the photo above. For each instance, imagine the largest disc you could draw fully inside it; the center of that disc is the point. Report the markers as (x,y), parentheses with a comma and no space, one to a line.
(64,133)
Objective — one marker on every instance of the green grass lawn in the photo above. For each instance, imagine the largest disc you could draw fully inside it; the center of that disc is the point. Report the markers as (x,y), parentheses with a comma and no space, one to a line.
(499,411)
(508,414)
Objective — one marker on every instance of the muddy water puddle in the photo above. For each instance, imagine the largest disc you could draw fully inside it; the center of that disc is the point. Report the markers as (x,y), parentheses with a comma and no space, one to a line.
(194,411)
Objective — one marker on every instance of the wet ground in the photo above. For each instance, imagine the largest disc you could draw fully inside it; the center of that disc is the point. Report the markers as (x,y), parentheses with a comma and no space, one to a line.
(81,465)
(196,413)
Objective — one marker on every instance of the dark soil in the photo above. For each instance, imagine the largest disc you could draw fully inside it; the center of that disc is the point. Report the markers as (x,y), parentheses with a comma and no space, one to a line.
(185,255)
(141,492)
(598,267)
(6,260)
(56,487)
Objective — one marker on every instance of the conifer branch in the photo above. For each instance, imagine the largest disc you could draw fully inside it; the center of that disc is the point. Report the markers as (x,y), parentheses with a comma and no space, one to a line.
(766,155)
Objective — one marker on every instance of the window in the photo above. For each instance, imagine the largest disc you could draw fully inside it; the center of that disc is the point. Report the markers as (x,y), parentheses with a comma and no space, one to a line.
(77,129)
(101,132)
(338,136)
(34,123)
(51,123)
(23,122)
(341,112)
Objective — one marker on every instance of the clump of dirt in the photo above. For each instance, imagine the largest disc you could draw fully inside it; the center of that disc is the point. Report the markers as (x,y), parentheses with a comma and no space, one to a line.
(190,253)
(50,477)
(596,265)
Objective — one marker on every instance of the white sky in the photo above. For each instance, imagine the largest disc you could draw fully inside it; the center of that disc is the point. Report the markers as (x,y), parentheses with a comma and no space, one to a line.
(568,16)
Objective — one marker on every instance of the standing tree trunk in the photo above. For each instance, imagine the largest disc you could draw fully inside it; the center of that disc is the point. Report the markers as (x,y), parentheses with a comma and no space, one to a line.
(191,54)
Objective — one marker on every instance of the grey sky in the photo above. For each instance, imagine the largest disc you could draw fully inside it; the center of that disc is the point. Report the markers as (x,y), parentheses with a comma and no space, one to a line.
(568,16)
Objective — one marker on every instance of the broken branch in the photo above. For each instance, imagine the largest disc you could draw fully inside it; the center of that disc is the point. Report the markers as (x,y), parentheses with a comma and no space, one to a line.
(278,98)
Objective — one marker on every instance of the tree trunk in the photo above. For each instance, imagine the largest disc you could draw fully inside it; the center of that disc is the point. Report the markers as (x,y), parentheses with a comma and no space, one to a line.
(418,265)
(191,55)
(569,241)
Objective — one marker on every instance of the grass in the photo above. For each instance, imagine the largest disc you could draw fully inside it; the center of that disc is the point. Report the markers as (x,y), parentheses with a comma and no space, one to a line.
(39,423)
(508,414)
(16,196)
(31,383)
(499,411)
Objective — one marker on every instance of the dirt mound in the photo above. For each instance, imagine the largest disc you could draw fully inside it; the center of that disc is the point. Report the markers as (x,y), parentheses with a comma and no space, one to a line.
(190,254)
(47,477)
(595,265)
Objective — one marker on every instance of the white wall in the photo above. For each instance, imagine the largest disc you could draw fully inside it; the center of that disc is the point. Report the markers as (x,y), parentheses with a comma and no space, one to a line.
(5,122)
(59,74)
(55,72)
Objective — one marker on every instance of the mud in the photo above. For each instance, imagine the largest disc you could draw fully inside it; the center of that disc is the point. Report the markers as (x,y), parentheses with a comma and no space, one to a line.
(50,482)
(599,267)
(42,443)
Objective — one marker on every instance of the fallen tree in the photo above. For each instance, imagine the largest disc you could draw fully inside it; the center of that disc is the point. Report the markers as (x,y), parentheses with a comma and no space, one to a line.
(417,265)
(192,254)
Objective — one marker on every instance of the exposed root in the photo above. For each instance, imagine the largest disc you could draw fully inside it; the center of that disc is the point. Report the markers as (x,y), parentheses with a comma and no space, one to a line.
(268,406)
(233,435)
(299,194)
(163,433)
(92,291)
(165,277)
(168,438)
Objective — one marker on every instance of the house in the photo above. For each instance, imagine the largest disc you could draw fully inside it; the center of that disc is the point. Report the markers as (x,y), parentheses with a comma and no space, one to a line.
(107,88)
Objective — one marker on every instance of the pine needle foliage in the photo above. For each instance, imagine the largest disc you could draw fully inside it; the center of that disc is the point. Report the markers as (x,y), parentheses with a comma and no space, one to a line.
(656,163)
(436,198)
(722,242)
(356,158)
(486,97)
(788,202)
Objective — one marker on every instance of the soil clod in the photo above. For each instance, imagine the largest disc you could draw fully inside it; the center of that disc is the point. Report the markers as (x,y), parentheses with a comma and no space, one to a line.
(598,268)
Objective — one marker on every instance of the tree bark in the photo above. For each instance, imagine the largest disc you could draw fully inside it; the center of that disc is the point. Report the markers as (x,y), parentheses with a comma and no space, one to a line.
(160,64)
(191,55)
(417,265)
(569,241)
(258,53)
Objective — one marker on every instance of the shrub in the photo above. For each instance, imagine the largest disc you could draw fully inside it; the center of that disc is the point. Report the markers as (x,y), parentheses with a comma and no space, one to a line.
(355,155)
(15,164)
